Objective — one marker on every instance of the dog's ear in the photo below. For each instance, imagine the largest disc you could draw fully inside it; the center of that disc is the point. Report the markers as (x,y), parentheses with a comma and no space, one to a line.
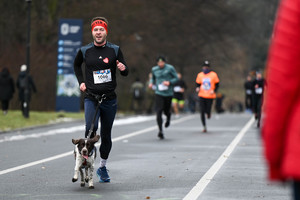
(75,141)
(96,138)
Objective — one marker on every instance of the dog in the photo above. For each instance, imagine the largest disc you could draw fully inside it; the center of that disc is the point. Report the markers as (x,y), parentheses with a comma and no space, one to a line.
(85,155)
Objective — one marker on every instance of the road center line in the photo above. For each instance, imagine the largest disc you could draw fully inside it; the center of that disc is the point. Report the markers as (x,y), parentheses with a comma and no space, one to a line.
(136,133)
(209,175)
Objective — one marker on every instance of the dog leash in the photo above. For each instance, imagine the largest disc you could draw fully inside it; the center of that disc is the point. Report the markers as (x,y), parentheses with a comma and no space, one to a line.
(99,98)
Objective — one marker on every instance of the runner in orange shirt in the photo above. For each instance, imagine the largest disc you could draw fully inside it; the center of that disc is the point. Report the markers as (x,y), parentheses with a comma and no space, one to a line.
(207,83)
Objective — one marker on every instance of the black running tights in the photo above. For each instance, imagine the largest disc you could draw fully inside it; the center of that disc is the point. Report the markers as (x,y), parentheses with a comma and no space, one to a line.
(163,105)
(205,108)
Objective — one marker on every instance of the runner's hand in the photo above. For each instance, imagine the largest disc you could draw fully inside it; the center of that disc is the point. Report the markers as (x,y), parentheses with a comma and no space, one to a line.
(166,83)
(82,87)
(120,66)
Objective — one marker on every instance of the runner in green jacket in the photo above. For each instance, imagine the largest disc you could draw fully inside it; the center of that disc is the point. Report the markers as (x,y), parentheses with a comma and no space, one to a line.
(164,76)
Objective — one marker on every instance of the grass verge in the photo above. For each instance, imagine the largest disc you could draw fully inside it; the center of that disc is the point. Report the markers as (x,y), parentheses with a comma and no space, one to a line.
(15,120)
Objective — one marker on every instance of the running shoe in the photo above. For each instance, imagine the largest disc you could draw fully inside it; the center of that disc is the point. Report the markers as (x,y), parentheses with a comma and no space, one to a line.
(167,124)
(208,115)
(103,175)
(160,135)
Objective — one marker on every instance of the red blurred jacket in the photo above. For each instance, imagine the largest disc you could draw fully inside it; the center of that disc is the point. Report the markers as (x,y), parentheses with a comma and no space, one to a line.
(281,122)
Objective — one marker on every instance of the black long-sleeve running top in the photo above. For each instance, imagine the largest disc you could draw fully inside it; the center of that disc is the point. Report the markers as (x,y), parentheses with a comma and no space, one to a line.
(100,67)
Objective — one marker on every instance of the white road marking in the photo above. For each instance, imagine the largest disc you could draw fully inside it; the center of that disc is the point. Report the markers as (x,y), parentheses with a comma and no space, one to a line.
(38,135)
(98,144)
(209,175)
(117,122)
(36,163)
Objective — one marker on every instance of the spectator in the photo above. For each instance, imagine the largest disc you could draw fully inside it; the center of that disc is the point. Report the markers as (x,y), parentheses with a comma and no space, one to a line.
(25,84)
(138,92)
(7,88)
(281,127)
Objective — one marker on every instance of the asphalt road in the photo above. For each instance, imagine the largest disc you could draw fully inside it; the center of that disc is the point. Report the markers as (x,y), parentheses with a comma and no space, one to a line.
(225,163)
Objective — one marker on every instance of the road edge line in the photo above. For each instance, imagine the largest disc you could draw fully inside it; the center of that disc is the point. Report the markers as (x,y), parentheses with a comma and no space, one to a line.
(213,170)
(5,171)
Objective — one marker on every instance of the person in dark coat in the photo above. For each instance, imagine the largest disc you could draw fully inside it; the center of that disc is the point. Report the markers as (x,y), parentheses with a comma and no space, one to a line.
(25,85)
(7,88)
(248,94)
(280,128)
(257,96)
(138,92)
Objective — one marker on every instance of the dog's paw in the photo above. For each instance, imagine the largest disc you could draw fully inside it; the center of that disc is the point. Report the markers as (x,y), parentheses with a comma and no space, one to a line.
(91,187)
(74,180)
(87,179)
(82,184)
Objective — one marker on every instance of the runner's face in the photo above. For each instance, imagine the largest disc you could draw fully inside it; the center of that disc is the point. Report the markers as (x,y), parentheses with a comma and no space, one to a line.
(161,63)
(258,76)
(204,68)
(99,35)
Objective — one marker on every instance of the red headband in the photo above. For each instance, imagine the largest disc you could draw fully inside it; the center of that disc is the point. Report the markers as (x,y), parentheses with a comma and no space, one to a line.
(99,23)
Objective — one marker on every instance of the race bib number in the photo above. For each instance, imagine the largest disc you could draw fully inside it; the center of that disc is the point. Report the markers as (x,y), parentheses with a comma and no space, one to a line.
(162,87)
(102,76)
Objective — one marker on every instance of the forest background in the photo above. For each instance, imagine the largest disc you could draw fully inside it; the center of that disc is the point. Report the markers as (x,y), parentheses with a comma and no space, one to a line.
(233,35)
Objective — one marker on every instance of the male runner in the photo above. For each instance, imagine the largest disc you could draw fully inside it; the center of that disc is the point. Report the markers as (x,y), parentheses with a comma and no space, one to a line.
(207,83)
(164,76)
(102,59)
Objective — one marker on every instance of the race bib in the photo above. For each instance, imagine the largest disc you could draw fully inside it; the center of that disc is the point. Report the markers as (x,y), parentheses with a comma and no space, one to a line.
(177,89)
(102,76)
(258,90)
(162,87)
(206,84)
